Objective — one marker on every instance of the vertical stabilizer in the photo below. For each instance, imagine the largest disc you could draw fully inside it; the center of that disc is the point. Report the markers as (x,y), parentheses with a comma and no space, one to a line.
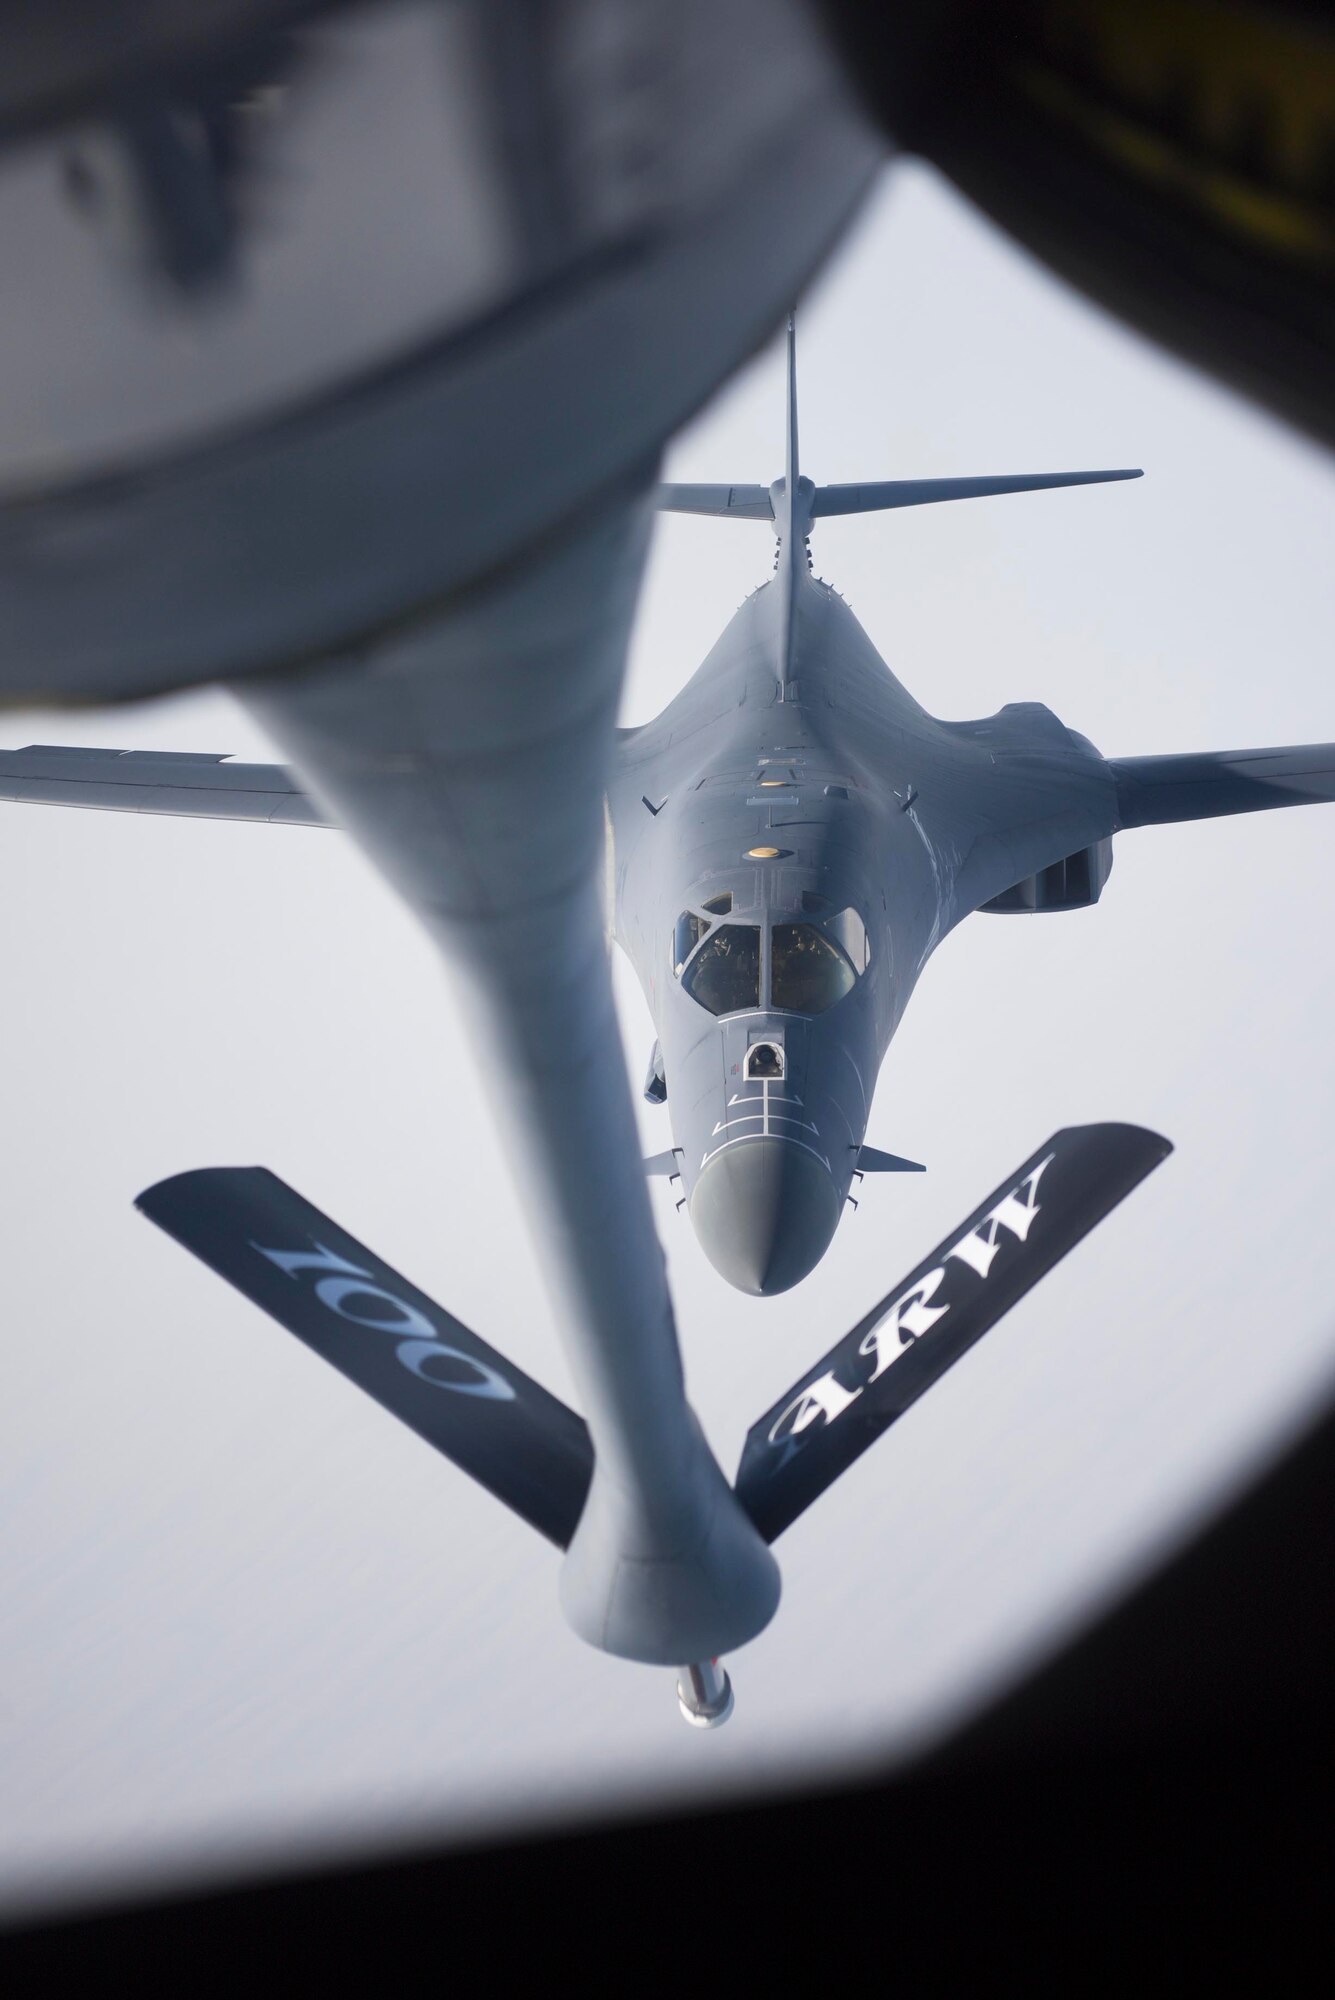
(791,497)
(793,503)
(790,501)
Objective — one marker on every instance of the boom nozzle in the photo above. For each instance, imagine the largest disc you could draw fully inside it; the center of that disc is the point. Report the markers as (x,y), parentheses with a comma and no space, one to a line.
(704,1694)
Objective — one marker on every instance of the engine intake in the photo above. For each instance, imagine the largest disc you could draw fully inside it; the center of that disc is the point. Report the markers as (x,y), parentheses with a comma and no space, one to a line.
(1072,883)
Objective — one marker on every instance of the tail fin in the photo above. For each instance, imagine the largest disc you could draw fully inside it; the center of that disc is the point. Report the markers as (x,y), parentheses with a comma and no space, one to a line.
(790,497)
(886,493)
(729,503)
(918,1331)
(792,502)
(753,503)
(418,1362)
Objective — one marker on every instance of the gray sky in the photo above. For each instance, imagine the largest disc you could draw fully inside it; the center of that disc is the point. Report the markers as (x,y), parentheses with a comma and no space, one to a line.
(241,1611)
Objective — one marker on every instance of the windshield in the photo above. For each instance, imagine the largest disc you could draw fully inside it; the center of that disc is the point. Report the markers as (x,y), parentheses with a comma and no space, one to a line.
(851,933)
(724,975)
(807,972)
(687,935)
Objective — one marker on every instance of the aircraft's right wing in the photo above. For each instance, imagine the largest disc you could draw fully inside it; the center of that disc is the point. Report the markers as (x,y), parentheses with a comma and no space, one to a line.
(155,781)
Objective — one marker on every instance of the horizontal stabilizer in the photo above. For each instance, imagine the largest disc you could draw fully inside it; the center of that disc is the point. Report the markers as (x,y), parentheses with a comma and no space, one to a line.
(1155,791)
(872,1161)
(908,1341)
(488,1417)
(872,499)
(188,785)
(735,503)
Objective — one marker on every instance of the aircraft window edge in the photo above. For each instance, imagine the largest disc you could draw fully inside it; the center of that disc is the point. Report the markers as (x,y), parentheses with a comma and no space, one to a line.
(688,934)
(746,996)
(849,932)
(807,967)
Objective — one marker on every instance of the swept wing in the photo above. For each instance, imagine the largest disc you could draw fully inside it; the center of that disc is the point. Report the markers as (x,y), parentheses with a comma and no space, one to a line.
(192,785)
(1154,791)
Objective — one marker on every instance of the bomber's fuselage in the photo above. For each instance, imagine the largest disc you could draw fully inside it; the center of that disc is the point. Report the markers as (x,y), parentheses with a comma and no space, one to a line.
(790,839)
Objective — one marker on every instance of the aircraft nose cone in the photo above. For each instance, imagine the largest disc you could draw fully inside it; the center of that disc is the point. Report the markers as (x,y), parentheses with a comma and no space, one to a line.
(764,1212)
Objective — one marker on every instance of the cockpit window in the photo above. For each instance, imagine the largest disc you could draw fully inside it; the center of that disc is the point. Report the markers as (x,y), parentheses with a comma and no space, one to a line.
(687,935)
(807,972)
(719,906)
(851,933)
(724,975)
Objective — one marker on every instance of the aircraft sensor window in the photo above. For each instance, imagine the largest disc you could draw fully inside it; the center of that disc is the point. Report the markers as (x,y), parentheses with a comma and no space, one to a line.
(719,906)
(851,932)
(807,972)
(764,1061)
(687,935)
(724,975)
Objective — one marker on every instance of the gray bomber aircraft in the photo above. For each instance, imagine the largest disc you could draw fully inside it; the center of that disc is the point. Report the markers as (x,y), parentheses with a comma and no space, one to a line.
(793,837)
(789,842)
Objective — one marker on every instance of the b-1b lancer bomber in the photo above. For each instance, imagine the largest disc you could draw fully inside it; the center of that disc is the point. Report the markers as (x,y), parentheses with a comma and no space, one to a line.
(787,844)
(793,837)
(789,841)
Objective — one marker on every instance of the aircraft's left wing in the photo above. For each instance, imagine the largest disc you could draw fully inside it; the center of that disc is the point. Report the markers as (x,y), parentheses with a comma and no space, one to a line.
(155,781)
(1156,791)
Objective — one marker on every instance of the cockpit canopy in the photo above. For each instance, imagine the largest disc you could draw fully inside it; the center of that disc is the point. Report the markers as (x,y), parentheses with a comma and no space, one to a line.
(692,925)
(807,971)
(808,967)
(724,975)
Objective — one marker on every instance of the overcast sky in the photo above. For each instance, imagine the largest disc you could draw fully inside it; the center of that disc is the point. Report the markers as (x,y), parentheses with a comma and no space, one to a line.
(242,1613)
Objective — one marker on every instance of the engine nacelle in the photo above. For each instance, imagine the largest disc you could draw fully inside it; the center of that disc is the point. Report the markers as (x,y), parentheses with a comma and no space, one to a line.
(1072,883)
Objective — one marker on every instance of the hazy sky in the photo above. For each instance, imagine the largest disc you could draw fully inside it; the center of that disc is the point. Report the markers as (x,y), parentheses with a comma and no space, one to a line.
(241,1611)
